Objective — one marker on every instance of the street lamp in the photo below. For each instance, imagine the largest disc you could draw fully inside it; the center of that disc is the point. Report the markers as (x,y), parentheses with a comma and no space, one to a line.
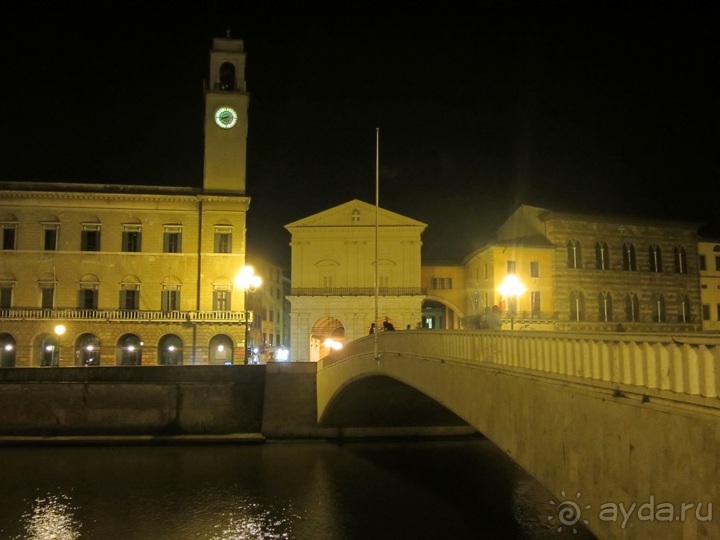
(247,281)
(511,288)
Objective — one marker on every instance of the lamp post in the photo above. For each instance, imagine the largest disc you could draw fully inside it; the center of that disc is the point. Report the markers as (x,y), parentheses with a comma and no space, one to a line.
(511,287)
(247,281)
(59,331)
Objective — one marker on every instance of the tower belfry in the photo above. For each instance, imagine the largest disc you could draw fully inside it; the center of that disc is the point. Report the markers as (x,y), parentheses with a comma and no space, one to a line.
(226,118)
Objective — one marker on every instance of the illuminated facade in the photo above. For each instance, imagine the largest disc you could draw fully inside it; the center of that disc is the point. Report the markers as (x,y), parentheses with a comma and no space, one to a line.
(136,275)
(709,265)
(333,275)
(587,272)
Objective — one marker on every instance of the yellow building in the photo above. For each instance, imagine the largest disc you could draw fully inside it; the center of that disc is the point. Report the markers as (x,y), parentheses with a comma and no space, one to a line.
(269,332)
(709,264)
(443,307)
(333,275)
(127,275)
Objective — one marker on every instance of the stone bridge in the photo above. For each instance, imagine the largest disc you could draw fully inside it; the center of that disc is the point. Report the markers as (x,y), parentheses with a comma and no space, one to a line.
(624,429)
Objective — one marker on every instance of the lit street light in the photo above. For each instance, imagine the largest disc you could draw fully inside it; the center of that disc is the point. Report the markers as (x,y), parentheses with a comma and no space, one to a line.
(511,288)
(247,281)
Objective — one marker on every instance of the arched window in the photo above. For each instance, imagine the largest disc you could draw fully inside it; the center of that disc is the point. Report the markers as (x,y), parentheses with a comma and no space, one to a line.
(629,261)
(170,350)
(128,351)
(221,350)
(655,258)
(680,260)
(602,259)
(87,350)
(47,350)
(227,77)
(605,306)
(574,254)
(7,350)
(632,307)
(577,306)
(659,308)
(684,310)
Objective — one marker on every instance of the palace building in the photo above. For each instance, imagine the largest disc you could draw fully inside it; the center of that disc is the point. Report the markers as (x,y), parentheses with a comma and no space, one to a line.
(103,275)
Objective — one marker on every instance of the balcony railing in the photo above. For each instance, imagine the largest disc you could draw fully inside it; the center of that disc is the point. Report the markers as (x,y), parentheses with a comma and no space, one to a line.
(357,291)
(124,315)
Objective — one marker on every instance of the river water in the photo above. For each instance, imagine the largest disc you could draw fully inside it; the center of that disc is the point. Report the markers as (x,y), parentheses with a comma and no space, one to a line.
(459,489)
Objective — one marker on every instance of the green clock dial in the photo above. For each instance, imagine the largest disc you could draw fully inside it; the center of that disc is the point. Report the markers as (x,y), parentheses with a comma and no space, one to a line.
(225,117)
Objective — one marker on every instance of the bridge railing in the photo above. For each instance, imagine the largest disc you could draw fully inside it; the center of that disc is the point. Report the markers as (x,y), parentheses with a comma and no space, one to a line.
(684,363)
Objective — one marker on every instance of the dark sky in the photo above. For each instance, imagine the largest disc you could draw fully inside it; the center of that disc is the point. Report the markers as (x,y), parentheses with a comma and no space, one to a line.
(601,106)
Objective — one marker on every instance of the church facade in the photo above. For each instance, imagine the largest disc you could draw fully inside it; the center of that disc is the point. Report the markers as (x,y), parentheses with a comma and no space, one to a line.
(337,289)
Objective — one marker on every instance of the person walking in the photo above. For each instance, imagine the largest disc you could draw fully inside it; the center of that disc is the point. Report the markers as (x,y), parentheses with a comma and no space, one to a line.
(493,319)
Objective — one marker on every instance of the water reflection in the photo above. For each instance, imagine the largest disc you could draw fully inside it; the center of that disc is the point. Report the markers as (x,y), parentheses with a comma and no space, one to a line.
(285,491)
(51,518)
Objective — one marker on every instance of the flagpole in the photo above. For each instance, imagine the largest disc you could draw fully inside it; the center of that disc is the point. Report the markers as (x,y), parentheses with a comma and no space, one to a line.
(377,210)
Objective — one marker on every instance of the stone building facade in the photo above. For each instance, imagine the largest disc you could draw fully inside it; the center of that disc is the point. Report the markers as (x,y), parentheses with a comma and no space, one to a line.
(333,273)
(133,275)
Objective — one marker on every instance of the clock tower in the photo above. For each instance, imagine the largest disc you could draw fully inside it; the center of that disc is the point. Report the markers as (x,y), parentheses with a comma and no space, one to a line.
(226,119)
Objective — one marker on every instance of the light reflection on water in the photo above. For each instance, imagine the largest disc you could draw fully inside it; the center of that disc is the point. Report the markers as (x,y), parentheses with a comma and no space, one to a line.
(51,518)
(277,491)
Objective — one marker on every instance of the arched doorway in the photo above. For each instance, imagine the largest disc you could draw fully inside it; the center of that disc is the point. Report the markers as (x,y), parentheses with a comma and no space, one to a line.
(326,336)
(46,351)
(7,350)
(170,350)
(128,351)
(221,350)
(87,350)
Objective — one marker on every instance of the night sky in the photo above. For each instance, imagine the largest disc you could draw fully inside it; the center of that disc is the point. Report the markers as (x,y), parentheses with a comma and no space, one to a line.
(596,106)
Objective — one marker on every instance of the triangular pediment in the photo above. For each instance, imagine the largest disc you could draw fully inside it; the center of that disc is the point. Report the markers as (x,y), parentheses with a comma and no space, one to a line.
(355,213)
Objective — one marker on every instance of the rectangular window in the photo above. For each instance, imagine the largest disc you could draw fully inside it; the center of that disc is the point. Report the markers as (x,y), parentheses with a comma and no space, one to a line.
(6,297)
(511,267)
(50,238)
(88,299)
(717,262)
(718,311)
(129,299)
(90,238)
(486,271)
(272,315)
(534,269)
(131,239)
(221,300)
(441,283)
(223,242)
(8,237)
(702,262)
(706,312)
(327,282)
(535,302)
(172,241)
(47,297)
(170,300)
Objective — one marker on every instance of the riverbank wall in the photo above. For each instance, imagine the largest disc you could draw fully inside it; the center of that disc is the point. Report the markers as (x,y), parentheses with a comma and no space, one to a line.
(170,403)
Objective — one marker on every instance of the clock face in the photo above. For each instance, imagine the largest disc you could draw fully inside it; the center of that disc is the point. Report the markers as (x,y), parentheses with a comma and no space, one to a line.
(225,117)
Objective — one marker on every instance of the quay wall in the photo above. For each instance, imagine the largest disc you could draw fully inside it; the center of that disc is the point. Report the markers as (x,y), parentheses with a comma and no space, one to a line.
(153,401)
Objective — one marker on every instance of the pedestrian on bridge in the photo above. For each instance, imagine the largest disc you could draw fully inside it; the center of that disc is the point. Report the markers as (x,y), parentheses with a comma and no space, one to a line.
(493,319)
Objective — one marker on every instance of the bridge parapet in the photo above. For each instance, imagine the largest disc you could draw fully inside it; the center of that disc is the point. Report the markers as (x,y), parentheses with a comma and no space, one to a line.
(683,364)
